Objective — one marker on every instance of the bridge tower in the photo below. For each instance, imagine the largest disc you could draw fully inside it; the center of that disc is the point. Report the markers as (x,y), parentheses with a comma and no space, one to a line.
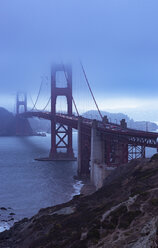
(21,101)
(22,125)
(61,135)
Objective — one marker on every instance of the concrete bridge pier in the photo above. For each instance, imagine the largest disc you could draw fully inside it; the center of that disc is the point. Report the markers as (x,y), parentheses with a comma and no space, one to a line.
(98,169)
(84,146)
(121,153)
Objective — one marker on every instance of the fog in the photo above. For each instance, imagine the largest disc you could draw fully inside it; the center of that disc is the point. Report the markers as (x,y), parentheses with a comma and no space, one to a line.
(117,42)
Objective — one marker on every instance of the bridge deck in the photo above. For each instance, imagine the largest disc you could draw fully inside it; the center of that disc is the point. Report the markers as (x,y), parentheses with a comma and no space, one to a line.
(127,135)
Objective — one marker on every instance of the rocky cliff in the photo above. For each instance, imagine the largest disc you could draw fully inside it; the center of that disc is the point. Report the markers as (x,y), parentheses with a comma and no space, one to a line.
(124,213)
(11,125)
(7,122)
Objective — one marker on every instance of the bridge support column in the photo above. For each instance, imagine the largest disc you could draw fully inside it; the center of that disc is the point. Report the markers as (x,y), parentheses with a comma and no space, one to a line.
(84,144)
(97,168)
(106,153)
(120,153)
(124,158)
(116,152)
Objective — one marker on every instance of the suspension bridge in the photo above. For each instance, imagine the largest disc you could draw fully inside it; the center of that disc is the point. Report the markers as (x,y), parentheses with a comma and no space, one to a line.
(101,143)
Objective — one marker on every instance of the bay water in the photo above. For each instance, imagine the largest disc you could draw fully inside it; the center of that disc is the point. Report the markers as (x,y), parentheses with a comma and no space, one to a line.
(27,185)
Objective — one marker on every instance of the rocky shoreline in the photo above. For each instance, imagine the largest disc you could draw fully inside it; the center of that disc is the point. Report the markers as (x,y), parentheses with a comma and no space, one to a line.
(123,213)
(7,218)
(87,188)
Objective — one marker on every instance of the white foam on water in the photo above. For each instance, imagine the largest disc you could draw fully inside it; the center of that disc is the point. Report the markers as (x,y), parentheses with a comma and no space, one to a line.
(4,226)
(77,188)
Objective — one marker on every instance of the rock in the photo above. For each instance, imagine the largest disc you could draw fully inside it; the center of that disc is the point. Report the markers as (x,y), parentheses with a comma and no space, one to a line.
(154,157)
(11,219)
(3,209)
(65,211)
(123,213)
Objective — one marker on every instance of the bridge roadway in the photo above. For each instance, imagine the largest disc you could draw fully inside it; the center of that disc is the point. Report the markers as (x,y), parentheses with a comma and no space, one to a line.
(108,130)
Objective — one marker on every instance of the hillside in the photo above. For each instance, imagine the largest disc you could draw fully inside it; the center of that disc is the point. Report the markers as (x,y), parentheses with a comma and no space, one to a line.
(124,213)
(7,126)
(116,117)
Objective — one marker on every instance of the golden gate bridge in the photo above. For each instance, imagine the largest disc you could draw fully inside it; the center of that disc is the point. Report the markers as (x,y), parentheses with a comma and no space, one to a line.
(99,141)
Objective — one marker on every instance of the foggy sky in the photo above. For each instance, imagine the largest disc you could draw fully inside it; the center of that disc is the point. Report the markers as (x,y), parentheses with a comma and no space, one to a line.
(117,42)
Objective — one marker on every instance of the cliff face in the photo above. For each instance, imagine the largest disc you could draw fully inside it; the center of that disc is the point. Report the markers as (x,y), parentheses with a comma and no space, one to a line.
(11,125)
(124,213)
(7,126)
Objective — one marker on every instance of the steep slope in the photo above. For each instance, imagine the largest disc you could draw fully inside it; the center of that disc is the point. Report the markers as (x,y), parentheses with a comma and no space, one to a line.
(6,122)
(124,213)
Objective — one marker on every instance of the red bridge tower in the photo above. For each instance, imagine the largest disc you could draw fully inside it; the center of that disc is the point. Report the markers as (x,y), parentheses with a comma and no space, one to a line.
(23,127)
(61,135)
(21,101)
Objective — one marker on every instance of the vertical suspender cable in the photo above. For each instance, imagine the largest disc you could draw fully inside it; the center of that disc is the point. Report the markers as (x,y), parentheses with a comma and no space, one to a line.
(91,91)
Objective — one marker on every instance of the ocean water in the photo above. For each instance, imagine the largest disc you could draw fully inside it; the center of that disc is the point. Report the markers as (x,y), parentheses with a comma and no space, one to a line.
(27,185)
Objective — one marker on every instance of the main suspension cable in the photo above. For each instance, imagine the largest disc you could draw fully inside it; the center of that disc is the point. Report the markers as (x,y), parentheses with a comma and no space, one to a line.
(75,105)
(91,91)
(34,106)
(32,102)
(47,104)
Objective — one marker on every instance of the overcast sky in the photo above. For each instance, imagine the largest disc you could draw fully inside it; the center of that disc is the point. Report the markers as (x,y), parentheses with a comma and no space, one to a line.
(117,42)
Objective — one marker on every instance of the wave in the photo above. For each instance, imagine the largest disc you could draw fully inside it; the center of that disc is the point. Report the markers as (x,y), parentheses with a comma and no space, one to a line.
(4,226)
(77,188)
